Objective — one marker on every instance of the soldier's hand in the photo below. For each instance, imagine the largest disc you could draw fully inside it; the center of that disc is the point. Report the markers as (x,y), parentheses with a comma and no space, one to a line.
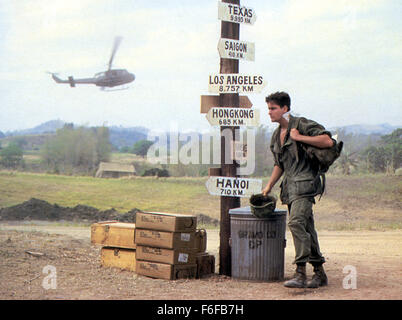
(295,134)
(266,190)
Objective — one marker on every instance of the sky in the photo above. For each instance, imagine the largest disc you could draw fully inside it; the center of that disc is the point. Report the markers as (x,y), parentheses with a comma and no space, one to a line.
(340,60)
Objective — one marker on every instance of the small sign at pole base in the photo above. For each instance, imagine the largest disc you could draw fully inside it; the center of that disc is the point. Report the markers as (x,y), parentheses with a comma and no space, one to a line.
(233,187)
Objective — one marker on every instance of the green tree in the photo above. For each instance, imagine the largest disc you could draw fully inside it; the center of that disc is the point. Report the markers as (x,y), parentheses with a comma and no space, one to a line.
(141,147)
(11,156)
(387,155)
(80,149)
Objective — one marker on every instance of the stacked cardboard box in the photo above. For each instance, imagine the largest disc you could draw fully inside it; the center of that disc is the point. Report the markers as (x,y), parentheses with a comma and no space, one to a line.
(168,245)
(118,246)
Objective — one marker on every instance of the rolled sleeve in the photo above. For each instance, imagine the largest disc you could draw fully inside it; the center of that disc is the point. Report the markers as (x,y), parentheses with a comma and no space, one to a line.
(277,161)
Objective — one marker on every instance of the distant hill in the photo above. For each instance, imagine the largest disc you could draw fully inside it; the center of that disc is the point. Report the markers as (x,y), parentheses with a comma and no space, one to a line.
(119,136)
(46,127)
(380,129)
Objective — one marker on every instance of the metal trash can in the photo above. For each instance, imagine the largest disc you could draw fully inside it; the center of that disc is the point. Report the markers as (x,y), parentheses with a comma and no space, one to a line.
(258,245)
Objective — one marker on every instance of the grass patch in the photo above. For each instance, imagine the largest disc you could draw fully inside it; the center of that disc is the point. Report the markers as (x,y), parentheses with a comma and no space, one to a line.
(367,202)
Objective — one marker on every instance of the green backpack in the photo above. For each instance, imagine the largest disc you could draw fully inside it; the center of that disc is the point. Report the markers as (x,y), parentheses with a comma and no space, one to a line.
(325,157)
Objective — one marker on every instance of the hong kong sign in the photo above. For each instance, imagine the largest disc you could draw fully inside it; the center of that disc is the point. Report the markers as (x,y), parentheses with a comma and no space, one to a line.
(233,117)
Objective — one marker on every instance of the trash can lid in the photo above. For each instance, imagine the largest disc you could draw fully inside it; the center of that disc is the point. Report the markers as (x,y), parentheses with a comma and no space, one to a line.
(246,212)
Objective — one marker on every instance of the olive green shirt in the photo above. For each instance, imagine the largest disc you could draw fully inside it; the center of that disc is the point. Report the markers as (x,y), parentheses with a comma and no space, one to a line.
(300,174)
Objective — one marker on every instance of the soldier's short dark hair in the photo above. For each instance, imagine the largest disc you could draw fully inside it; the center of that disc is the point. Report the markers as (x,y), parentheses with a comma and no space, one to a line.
(280,98)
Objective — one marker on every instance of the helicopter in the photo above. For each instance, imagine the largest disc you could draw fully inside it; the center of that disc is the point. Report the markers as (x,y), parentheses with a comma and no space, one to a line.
(106,79)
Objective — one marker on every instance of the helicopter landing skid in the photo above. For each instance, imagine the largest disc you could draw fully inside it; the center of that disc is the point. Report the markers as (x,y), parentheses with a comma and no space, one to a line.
(116,89)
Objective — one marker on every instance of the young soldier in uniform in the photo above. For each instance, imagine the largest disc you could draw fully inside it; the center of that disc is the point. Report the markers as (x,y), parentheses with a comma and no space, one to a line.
(301,183)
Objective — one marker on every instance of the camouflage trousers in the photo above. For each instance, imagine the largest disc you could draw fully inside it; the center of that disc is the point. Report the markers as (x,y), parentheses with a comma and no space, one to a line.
(301,225)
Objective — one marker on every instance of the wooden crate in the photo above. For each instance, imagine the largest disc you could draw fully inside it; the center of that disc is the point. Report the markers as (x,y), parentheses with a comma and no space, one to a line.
(166,271)
(166,221)
(170,256)
(205,264)
(167,240)
(113,234)
(118,258)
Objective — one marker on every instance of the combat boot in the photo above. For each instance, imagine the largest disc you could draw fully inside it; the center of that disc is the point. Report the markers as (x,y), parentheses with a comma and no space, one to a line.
(299,280)
(319,278)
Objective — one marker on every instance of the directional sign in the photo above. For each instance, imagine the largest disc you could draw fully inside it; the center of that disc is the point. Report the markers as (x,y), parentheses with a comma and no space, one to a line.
(210,101)
(235,83)
(233,187)
(235,49)
(233,117)
(237,14)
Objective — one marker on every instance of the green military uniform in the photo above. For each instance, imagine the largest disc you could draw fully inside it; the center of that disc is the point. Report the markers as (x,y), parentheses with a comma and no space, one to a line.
(301,182)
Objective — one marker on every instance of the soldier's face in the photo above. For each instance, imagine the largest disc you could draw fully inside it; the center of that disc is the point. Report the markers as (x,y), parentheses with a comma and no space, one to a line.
(275,111)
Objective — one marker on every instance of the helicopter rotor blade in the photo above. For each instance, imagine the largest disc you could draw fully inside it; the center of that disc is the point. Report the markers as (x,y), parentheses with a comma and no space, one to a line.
(116,45)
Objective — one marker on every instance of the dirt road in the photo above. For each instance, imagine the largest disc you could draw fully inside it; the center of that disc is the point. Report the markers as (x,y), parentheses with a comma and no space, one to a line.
(375,257)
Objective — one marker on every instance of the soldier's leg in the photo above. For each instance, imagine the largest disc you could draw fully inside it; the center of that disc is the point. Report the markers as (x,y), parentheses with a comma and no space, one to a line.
(316,259)
(315,254)
(299,214)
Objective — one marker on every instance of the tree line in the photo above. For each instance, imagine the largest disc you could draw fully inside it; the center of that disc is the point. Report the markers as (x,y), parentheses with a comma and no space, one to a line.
(80,150)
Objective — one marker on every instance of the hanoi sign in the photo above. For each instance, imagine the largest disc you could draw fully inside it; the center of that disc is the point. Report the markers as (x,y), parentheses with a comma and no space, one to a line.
(236,14)
(235,49)
(235,83)
(233,117)
(233,187)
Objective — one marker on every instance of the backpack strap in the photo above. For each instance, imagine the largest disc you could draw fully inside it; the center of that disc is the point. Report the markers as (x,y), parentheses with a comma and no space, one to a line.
(320,174)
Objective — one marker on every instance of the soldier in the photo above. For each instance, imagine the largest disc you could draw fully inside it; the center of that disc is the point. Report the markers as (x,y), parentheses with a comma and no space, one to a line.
(301,183)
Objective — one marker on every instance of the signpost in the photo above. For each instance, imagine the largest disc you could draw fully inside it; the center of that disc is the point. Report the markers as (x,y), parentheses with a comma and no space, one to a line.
(233,187)
(229,111)
(236,83)
(233,49)
(231,12)
(233,117)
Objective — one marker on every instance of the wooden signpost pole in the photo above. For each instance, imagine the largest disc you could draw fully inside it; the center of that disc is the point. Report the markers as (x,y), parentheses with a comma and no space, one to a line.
(229,30)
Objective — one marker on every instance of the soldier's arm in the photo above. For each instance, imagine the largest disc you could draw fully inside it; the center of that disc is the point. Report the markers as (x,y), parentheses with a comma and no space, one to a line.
(320,141)
(275,176)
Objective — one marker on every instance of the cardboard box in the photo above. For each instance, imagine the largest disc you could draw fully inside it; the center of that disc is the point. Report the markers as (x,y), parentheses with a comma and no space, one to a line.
(118,258)
(205,264)
(166,221)
(201,240)
(162,239)
(113,234)
(170,256)
(166,271)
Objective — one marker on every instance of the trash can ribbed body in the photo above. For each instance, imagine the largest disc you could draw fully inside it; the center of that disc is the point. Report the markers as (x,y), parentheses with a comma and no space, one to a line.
(258,245)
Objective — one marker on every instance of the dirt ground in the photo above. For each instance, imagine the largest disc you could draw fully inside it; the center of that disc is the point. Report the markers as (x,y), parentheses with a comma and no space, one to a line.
(376,257)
